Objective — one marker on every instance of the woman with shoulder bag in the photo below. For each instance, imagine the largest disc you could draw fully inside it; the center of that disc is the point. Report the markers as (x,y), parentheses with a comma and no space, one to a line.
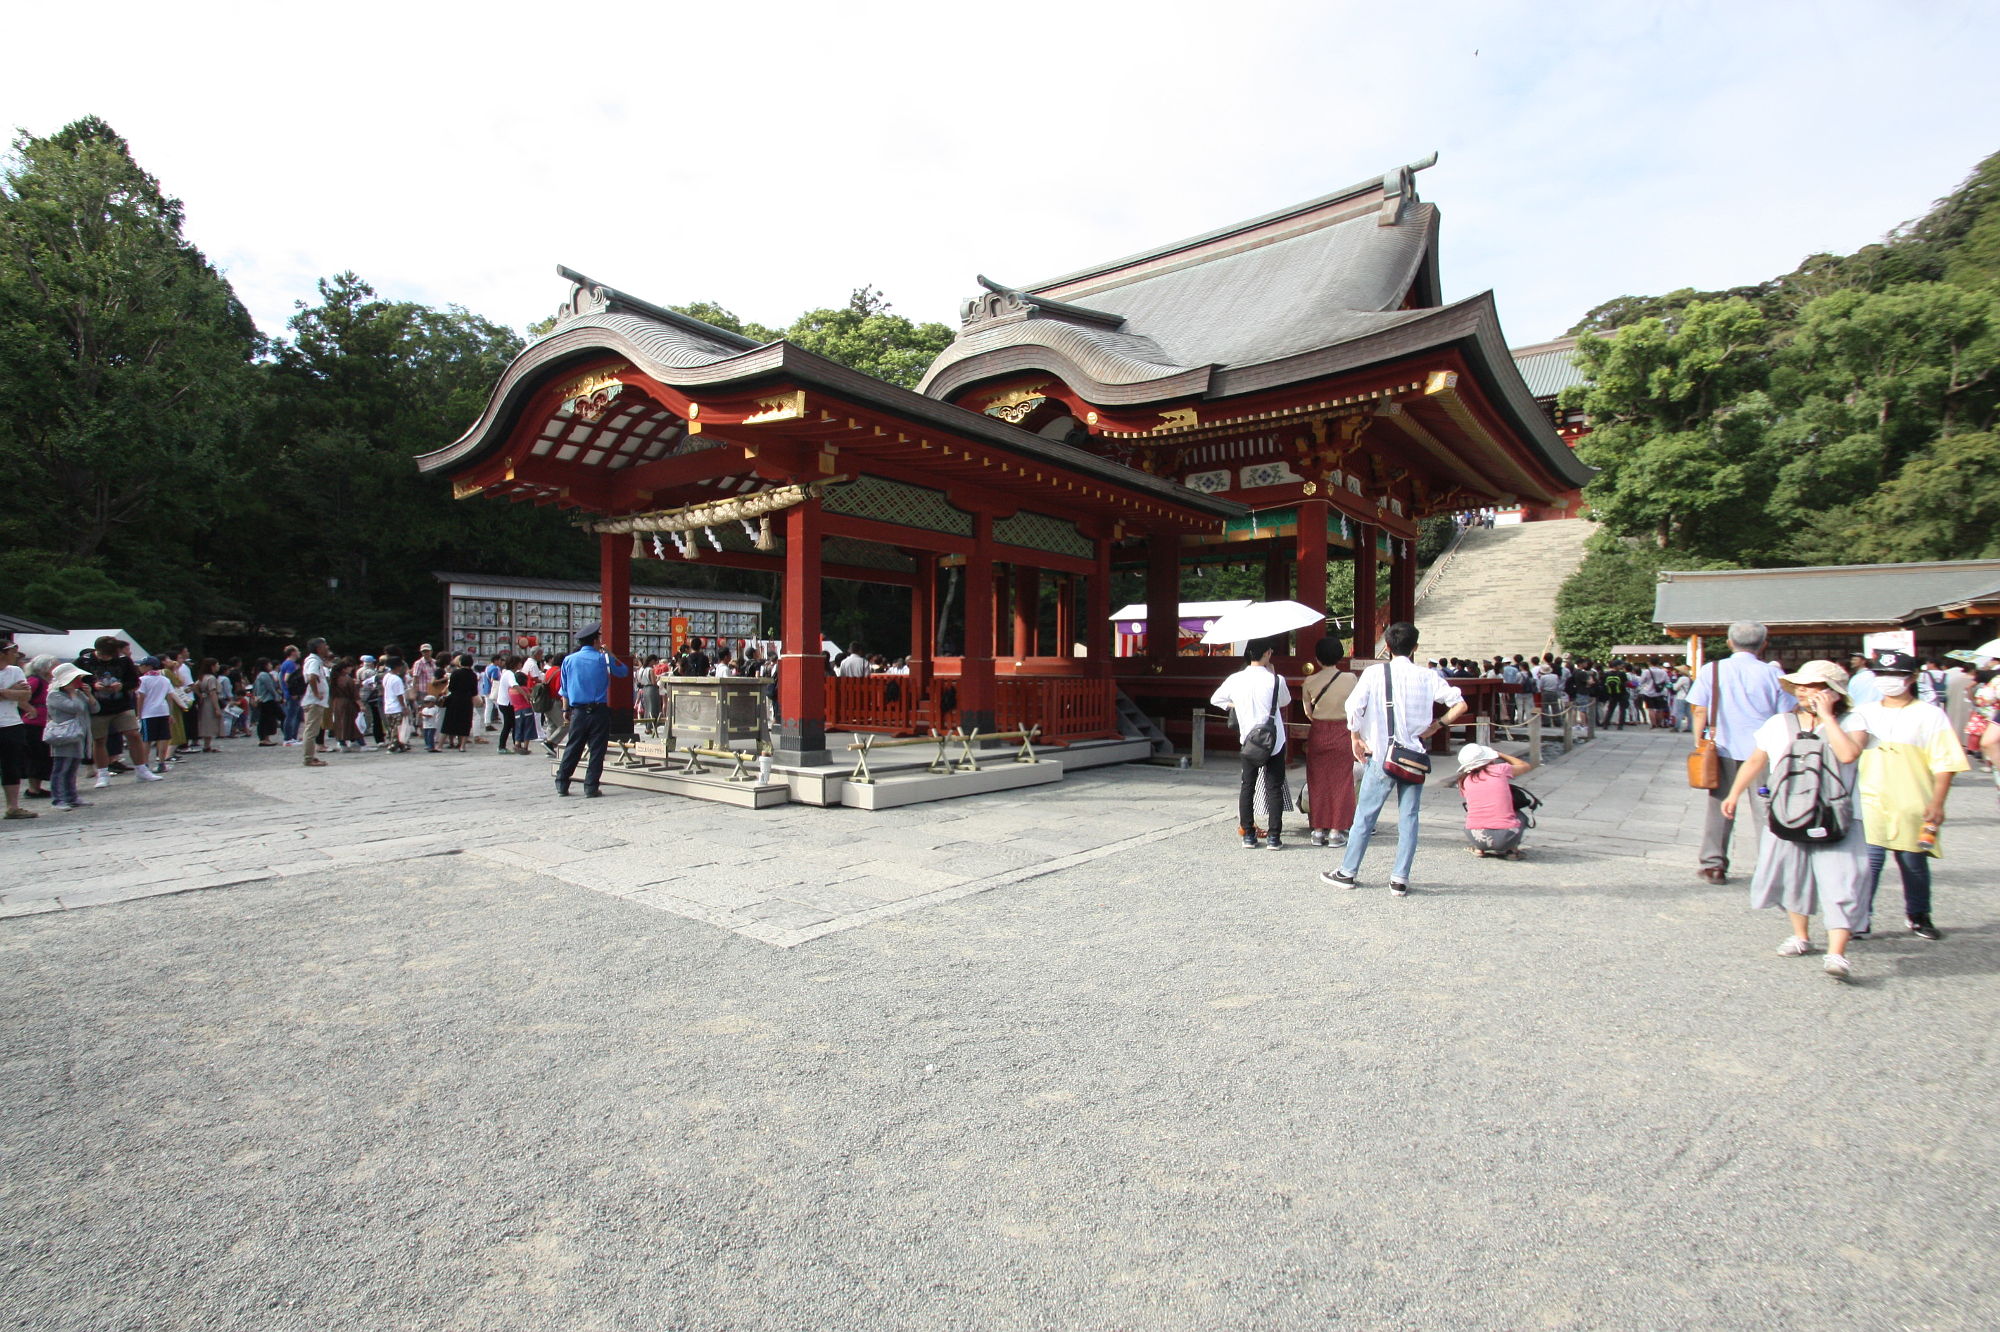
(1329,747)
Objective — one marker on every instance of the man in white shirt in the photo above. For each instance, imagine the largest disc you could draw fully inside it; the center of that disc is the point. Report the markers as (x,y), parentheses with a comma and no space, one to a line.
(316,699)
(1257,694)
(854,664)
(1411,693)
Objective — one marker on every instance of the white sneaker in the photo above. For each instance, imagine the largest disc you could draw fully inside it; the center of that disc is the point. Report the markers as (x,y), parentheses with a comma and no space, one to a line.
(148,775)
(103,779)
(1836,967)
(1795,947)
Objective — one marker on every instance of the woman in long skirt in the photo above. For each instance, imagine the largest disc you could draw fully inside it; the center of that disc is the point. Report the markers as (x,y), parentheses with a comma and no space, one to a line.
(1329,747)
(208,705)
(1827,879)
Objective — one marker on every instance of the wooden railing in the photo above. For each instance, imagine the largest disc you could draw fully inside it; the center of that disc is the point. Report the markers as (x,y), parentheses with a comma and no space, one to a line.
(1066,709)
(884,703)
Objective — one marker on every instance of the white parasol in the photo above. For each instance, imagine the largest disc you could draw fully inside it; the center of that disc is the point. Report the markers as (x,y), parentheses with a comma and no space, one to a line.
(1262,619)
(1990,648)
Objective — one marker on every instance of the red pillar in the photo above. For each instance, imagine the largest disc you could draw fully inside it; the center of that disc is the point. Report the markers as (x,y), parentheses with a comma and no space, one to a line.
(923,621)
(1163,595)
(1403,580)
(1277,577)
(1066,616)
(1097,629)
(1365,629)
(614,577)
(975,682)
(1311,560)
(801,735)
(1027,610)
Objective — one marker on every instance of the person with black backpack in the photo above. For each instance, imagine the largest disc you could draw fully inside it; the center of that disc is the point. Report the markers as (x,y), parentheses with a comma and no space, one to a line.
(1812,856)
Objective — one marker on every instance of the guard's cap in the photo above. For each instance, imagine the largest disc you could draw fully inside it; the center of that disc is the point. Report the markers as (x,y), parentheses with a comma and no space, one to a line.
(588,632)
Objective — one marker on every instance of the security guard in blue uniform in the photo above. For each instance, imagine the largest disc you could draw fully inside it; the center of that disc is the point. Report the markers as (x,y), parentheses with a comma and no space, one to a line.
(586,687)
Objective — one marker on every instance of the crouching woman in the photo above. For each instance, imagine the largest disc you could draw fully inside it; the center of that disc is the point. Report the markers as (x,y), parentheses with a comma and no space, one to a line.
(1485,781)
(1812,857)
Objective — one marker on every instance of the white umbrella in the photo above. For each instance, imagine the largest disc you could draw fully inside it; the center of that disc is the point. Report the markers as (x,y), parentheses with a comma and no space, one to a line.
(1990,648)
(1262,619)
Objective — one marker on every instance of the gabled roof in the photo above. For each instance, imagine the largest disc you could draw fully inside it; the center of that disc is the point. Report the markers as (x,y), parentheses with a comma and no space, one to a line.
(1549,367)
(1302,278)
(14,624)
(691,355)
(1820,595)
(1335,285)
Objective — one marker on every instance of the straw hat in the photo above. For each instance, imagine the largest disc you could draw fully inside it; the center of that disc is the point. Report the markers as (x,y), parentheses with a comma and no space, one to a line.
(1821,672)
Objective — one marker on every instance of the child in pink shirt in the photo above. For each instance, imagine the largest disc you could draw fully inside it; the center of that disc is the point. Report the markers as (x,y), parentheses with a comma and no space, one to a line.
(1486,782)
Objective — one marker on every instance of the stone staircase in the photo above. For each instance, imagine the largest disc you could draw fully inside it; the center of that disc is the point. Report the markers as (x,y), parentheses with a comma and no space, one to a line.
(1498,593)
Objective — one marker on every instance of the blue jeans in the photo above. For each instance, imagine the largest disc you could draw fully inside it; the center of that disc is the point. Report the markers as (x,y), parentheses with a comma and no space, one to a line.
(1916,870)
(1375,789)
(294,716)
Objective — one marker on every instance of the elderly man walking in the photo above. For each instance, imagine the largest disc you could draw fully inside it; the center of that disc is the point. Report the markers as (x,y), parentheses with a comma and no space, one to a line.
(1393,704)
(1731,698)
(317,699)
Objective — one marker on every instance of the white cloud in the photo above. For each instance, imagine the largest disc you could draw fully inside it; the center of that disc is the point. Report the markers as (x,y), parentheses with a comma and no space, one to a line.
(772,157)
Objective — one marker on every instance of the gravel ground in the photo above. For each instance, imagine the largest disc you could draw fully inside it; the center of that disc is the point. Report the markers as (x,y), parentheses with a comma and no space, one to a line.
(1184,1089)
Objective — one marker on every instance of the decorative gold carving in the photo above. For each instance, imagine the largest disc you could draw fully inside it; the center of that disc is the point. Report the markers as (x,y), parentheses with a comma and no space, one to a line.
(785,407)
(591,383)
(1180,418)
(1014,405)
(1311,488)
(1016,412)
(1440,380)
(1090,418)
(465,489)
(694,410)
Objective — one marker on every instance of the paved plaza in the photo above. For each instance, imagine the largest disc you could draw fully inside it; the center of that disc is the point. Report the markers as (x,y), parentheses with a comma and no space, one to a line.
(407,1042)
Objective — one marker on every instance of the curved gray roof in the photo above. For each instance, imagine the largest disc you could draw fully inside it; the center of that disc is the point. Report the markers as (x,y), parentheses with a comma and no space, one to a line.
(1269,299)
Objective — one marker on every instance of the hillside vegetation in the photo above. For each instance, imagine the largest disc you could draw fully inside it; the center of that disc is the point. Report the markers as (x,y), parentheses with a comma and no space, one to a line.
(1843,413)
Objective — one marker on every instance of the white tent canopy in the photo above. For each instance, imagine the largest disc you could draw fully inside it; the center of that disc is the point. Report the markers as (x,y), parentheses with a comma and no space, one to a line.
(71,645)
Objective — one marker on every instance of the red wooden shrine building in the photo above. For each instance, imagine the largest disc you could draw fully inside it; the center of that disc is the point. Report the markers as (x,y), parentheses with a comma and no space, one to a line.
(1285,391)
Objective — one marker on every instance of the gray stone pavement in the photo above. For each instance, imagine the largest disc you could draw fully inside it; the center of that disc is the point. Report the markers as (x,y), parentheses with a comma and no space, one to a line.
(1115,1073)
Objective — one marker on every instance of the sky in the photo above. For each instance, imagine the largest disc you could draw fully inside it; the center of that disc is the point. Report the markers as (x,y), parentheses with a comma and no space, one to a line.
(772,157)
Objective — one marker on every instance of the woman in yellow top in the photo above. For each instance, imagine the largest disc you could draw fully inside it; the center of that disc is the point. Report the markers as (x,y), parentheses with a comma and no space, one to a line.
(1907,764)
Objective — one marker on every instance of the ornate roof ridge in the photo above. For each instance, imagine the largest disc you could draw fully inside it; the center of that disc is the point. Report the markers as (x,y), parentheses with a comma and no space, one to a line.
(589,296)
(1398,187)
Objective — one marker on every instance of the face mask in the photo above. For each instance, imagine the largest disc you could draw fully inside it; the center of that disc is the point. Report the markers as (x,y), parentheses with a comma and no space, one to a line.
(1893,686)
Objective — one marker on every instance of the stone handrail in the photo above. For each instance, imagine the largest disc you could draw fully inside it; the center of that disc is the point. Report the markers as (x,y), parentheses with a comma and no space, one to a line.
(1443,562)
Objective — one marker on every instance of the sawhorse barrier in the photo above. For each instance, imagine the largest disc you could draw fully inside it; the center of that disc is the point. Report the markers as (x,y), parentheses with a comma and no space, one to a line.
(742,772)
(941,763)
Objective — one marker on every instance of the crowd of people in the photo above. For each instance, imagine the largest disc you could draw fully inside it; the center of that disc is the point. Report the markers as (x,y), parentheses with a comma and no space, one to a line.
(1843,768)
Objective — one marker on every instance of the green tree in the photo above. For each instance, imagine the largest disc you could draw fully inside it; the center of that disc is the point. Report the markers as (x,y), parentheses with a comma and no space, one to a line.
(1868,381)
(1678,416)
(126,384)
(362,386)
(867,335)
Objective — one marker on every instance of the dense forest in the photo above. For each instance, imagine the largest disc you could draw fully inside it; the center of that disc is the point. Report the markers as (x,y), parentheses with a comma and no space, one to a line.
(1843,413)
(178,472)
